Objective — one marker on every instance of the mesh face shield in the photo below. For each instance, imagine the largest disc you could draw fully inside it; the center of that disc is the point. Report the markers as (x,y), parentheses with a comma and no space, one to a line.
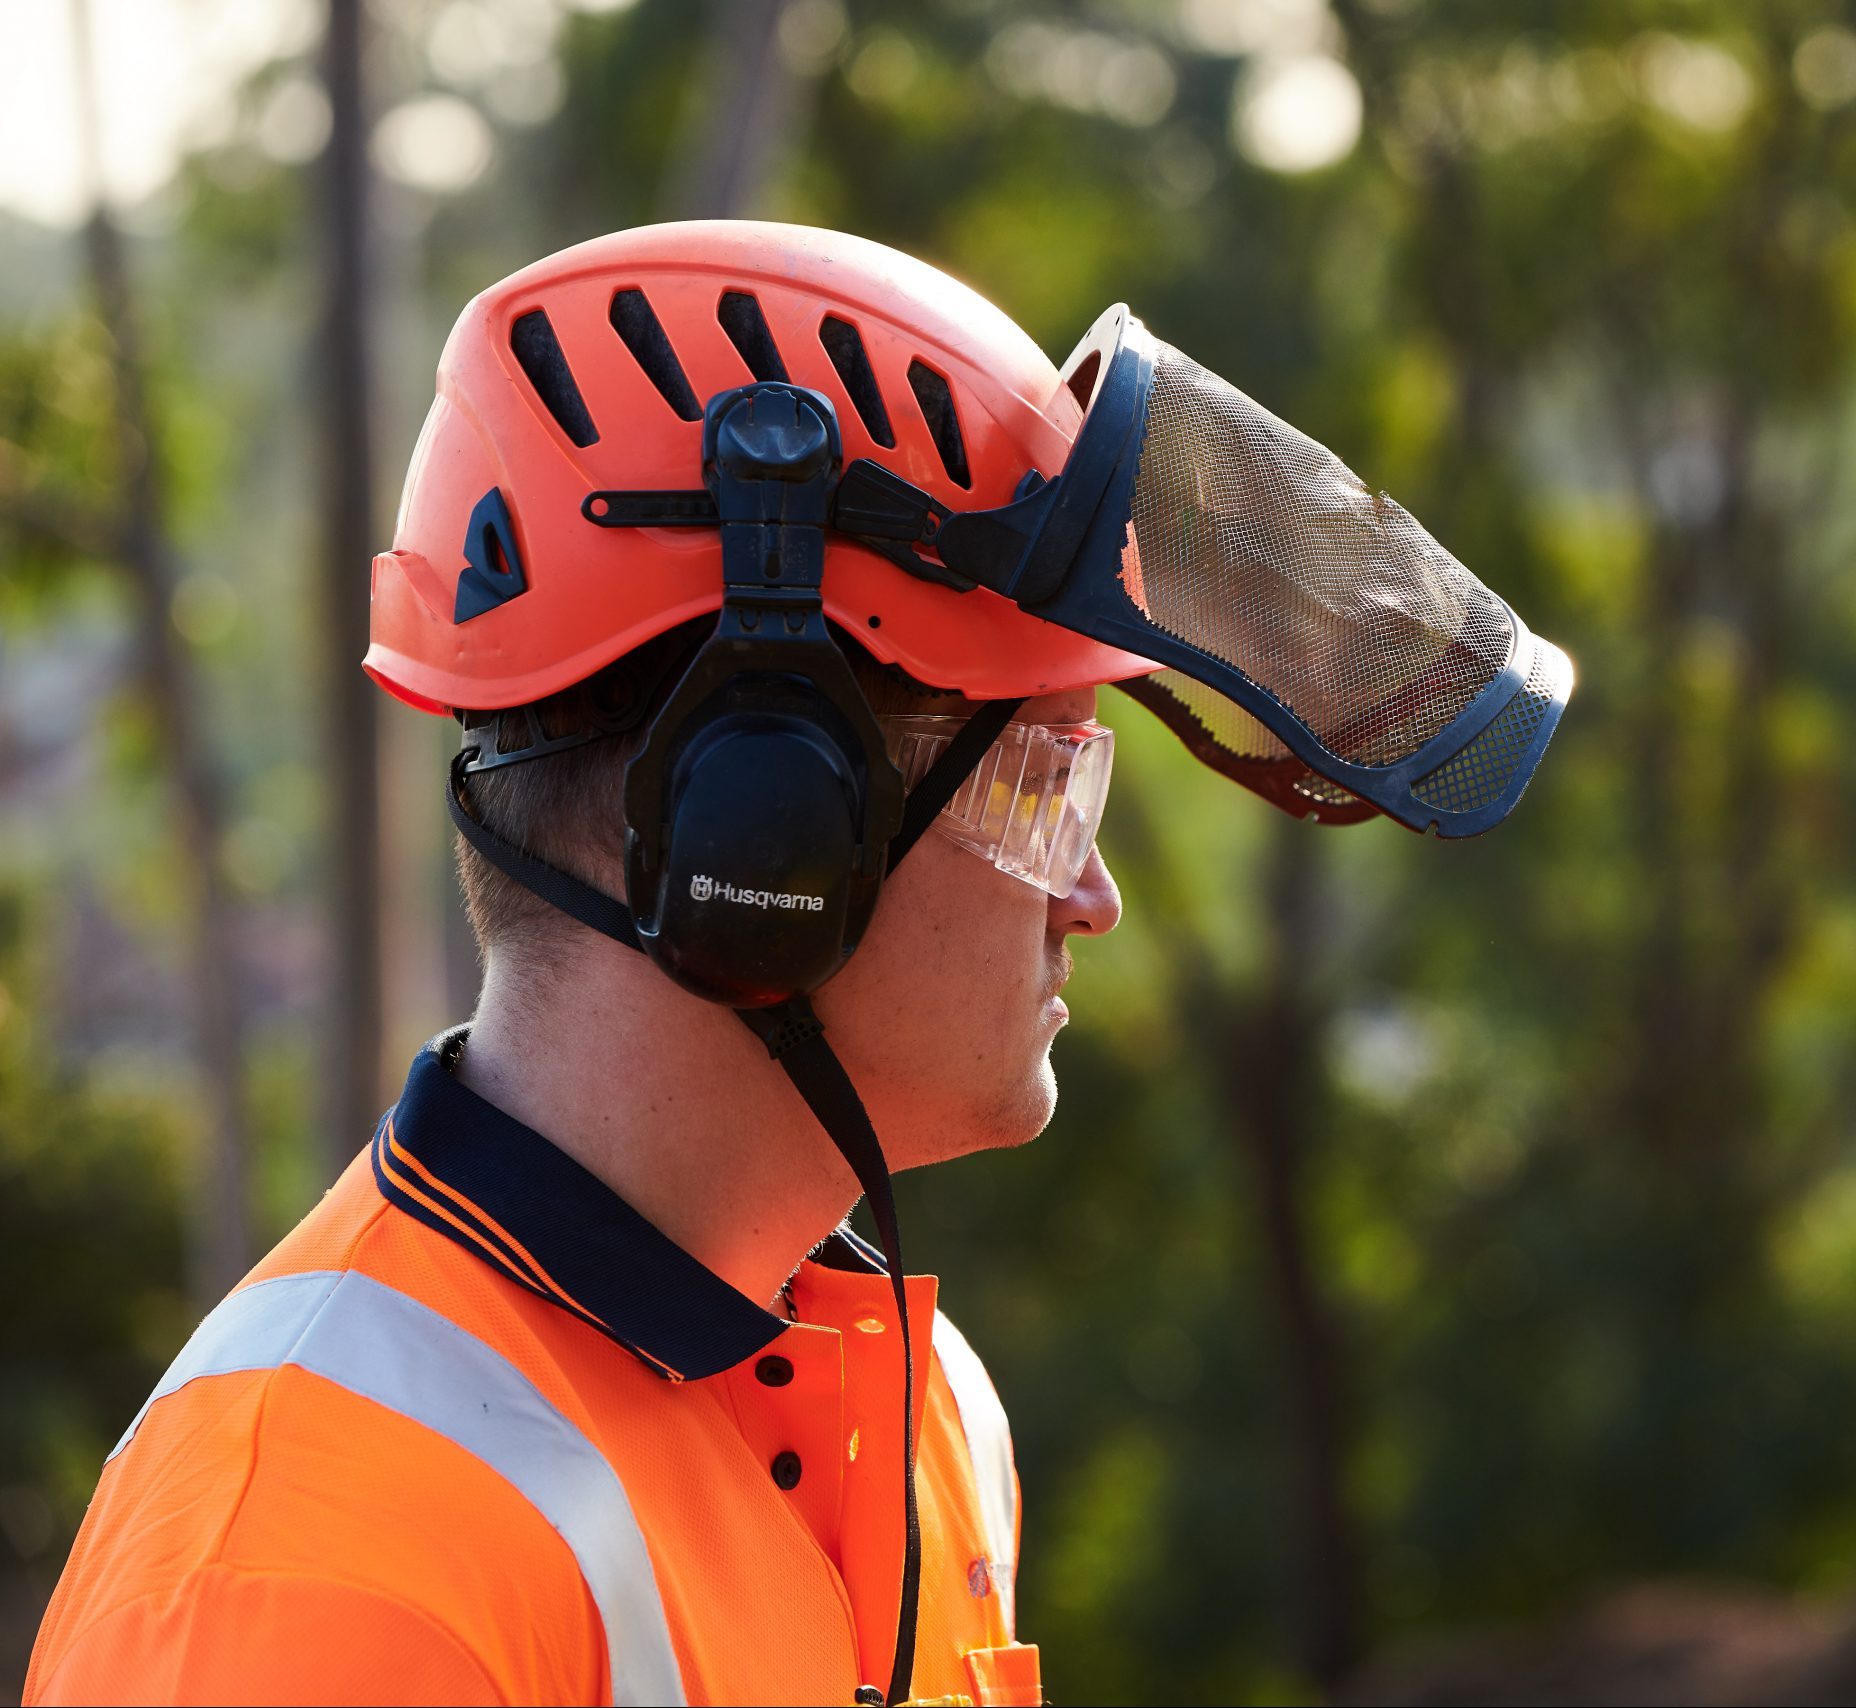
(1254,544)
(1320,647)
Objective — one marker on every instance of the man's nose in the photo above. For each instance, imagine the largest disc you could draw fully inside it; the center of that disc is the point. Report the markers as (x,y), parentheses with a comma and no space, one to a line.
(1093,907)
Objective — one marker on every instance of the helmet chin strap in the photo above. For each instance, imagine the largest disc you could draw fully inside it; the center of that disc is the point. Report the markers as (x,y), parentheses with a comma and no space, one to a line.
(795,1038)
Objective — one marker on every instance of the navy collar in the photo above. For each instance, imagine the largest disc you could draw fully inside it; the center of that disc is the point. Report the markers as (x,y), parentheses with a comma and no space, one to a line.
(522,1205)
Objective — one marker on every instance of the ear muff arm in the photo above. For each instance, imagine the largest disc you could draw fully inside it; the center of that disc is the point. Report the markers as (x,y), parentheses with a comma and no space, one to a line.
(895,518)
(643,509)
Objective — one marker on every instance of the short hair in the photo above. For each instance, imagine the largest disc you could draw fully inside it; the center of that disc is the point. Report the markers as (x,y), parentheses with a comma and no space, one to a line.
(568,808)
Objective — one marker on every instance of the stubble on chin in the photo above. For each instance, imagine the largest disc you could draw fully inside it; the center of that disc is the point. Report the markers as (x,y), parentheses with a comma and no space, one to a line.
(1025,1109)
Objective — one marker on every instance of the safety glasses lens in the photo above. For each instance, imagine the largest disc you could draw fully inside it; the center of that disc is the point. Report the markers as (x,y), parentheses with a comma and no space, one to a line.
(1033,803)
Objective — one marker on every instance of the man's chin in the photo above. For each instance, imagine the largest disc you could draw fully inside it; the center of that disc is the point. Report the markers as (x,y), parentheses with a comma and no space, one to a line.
(1027,1114)
(999,1123)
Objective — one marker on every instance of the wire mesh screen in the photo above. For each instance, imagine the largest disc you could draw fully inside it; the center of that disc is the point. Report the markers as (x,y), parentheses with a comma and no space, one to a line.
(1481,773)
(1261,548)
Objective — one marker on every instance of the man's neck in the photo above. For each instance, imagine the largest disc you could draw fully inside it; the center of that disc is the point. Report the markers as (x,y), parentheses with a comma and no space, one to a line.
(668,1100)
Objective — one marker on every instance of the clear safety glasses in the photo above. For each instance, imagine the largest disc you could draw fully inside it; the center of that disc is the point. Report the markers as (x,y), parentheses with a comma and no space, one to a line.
(1034,802)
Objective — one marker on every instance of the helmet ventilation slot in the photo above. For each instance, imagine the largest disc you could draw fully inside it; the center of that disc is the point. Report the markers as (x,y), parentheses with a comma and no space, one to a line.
(634,319)
(539,352)
(741,318)
(845,347)
(936,398)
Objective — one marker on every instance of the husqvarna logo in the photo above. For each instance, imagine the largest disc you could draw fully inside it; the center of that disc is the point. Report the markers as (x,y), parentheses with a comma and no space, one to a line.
(705,888)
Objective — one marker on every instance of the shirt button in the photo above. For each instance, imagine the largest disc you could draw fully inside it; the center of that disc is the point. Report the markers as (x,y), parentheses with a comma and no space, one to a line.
(787,1469)
(774,1370)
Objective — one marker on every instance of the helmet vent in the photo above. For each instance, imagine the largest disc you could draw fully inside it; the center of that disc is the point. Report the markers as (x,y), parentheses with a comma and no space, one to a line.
(634,319)
(936,398)
(845,347)
(741,318)
(539,351)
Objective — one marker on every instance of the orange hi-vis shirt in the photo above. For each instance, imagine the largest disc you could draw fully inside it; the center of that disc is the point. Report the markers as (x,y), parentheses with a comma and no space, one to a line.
(477,1432)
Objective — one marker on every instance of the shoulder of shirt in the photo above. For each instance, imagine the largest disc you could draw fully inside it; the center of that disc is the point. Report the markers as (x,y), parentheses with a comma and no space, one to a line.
(168,1642)
(965,1370)
(327,1492)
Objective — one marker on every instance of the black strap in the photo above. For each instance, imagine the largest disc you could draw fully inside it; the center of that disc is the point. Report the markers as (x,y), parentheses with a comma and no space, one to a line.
(795,1038)
(692,509)
(610,918)
(941,782)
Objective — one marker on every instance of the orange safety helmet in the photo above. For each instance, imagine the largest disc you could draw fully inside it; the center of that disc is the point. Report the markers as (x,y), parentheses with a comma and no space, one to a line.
(589,369)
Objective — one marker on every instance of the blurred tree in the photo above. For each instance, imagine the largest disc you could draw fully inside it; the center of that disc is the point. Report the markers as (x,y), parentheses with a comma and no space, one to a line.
(133,536)
(351,753)
(91,1217)
(745,110)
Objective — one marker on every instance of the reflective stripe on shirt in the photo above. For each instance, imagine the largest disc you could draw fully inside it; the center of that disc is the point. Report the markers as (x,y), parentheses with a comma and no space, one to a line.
(989,1445)
(376,1342)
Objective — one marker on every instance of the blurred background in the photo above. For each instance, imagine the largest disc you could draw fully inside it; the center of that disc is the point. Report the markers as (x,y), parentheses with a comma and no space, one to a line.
(1439,1282)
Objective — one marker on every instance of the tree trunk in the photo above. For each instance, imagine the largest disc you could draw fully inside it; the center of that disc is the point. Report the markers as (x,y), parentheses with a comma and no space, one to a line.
(1271,1078)
(733,141)
(352,762)
(219,1240)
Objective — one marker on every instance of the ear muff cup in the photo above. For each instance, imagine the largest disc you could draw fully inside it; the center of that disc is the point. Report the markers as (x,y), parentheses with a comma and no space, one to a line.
(758,891)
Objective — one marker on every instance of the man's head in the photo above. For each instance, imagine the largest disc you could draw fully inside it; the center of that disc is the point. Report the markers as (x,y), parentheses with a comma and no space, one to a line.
(944,1017)
(508,584)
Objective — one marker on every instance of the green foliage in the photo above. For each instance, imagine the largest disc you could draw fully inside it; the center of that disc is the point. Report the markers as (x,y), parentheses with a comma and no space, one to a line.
(1567,1144)
(90,1235)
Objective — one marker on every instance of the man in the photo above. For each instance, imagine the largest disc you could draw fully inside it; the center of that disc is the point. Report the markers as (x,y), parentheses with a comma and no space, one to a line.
(746,555)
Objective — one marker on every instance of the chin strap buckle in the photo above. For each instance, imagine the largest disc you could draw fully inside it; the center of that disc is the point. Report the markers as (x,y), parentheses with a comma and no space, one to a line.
(784,1026)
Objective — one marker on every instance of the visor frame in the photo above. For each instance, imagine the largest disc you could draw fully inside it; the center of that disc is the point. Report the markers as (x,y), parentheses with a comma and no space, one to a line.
(1096,604)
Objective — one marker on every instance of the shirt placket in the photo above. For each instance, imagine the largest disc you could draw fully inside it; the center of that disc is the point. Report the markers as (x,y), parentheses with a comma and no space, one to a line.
(789,1403)
(870,1556)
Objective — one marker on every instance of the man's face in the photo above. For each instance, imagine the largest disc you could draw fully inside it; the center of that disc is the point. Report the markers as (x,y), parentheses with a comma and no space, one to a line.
(945,1016)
